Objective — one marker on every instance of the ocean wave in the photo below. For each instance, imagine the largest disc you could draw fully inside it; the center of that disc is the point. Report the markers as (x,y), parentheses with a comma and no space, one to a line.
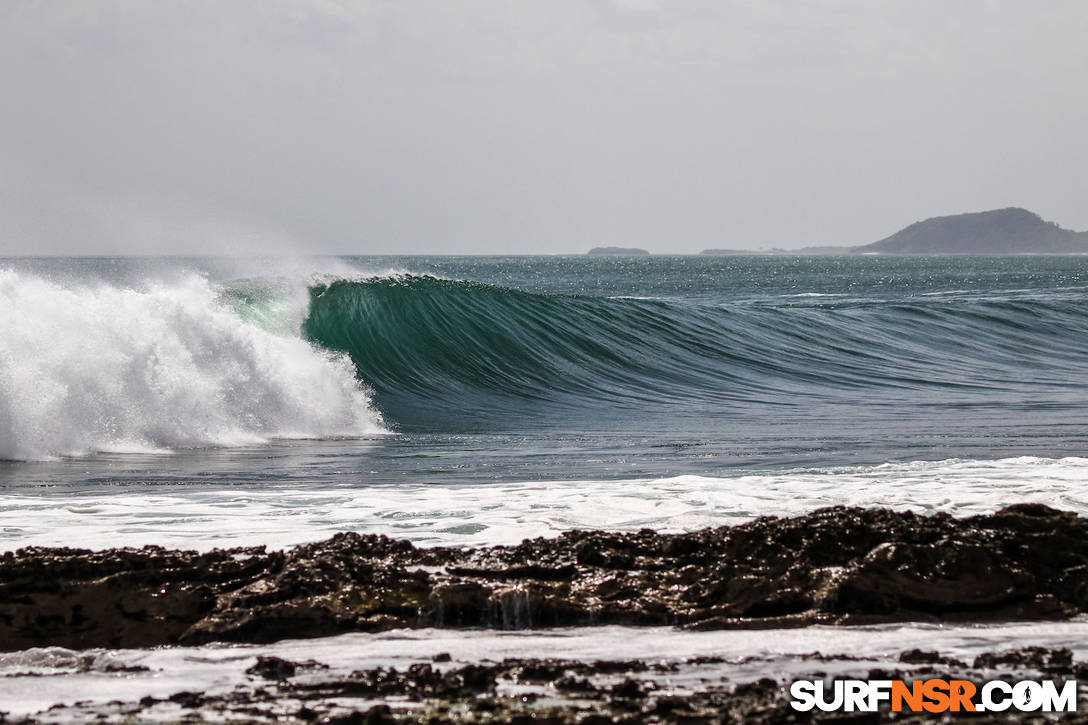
(162,365)
(104,367)
(438,350)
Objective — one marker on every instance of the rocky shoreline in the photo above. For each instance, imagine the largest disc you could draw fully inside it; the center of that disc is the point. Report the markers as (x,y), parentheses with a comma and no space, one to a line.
(528,690)
(834,566)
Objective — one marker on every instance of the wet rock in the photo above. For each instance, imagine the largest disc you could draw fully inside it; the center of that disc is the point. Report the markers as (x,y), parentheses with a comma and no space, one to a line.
(1042,659)
(580,692)
(571,683)
(273,668)
(920,657)
(629,689)
(187,699)
(834,566)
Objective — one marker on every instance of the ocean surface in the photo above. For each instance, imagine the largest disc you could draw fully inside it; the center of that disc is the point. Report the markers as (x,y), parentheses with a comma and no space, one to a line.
(469,401)
(476,400)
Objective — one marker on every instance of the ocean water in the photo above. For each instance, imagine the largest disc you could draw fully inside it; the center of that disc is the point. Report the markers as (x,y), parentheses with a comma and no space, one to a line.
(468,401)
(475,400)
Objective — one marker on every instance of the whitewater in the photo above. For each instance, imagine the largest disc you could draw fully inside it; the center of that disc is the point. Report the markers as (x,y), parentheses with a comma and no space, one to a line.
(489,513)
(98,367)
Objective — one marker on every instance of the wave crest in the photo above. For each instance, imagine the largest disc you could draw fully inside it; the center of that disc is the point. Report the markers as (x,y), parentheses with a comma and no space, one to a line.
(111,368)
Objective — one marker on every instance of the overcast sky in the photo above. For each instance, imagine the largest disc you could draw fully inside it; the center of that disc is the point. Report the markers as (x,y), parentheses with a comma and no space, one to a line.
(519,126)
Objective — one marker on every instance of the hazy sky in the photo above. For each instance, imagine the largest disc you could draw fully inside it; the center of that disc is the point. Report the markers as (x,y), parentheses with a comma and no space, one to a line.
(521,126)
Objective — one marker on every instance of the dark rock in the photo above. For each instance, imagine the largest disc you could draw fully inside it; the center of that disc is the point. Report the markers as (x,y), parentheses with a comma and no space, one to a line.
(834,566)
(918,657)
(585,692)
(187,699)
(273,668)
(628,688)
(571,683)
(1035,658)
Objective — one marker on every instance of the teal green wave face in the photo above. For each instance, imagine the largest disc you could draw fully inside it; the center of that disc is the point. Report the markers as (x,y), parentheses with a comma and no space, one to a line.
(448,354)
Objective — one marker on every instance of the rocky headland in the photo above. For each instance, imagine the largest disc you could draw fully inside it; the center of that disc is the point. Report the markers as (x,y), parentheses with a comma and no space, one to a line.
(997,231)
(1000,231)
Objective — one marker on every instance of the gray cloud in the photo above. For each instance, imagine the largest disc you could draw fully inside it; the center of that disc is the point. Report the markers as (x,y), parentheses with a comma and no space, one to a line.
(162,126)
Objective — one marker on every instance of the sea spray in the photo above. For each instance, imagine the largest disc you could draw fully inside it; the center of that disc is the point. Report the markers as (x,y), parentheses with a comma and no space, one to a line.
(105,367)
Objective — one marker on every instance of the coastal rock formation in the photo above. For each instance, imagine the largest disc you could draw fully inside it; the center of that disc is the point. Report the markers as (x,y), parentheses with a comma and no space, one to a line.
(837,566)
(998,231)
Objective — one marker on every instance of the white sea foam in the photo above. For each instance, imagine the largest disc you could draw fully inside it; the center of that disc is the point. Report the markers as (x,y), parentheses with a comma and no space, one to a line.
(105,367)
(465,514)
(33,680)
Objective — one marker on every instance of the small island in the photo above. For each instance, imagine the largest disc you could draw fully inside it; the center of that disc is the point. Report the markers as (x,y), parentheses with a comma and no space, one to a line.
(598,251)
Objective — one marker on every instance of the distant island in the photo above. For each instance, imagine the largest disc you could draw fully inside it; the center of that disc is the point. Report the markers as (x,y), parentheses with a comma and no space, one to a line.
(1000,231)
(616,250)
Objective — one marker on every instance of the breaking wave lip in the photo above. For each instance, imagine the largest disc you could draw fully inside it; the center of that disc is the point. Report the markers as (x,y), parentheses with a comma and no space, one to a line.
(109,368)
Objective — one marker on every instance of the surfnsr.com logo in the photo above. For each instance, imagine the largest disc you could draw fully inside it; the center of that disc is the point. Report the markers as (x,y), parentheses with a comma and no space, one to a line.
(934,695)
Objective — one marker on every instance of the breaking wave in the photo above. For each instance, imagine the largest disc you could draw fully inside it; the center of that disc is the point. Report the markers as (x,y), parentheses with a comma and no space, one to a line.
(103,367)
(190,363)
(439,351)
